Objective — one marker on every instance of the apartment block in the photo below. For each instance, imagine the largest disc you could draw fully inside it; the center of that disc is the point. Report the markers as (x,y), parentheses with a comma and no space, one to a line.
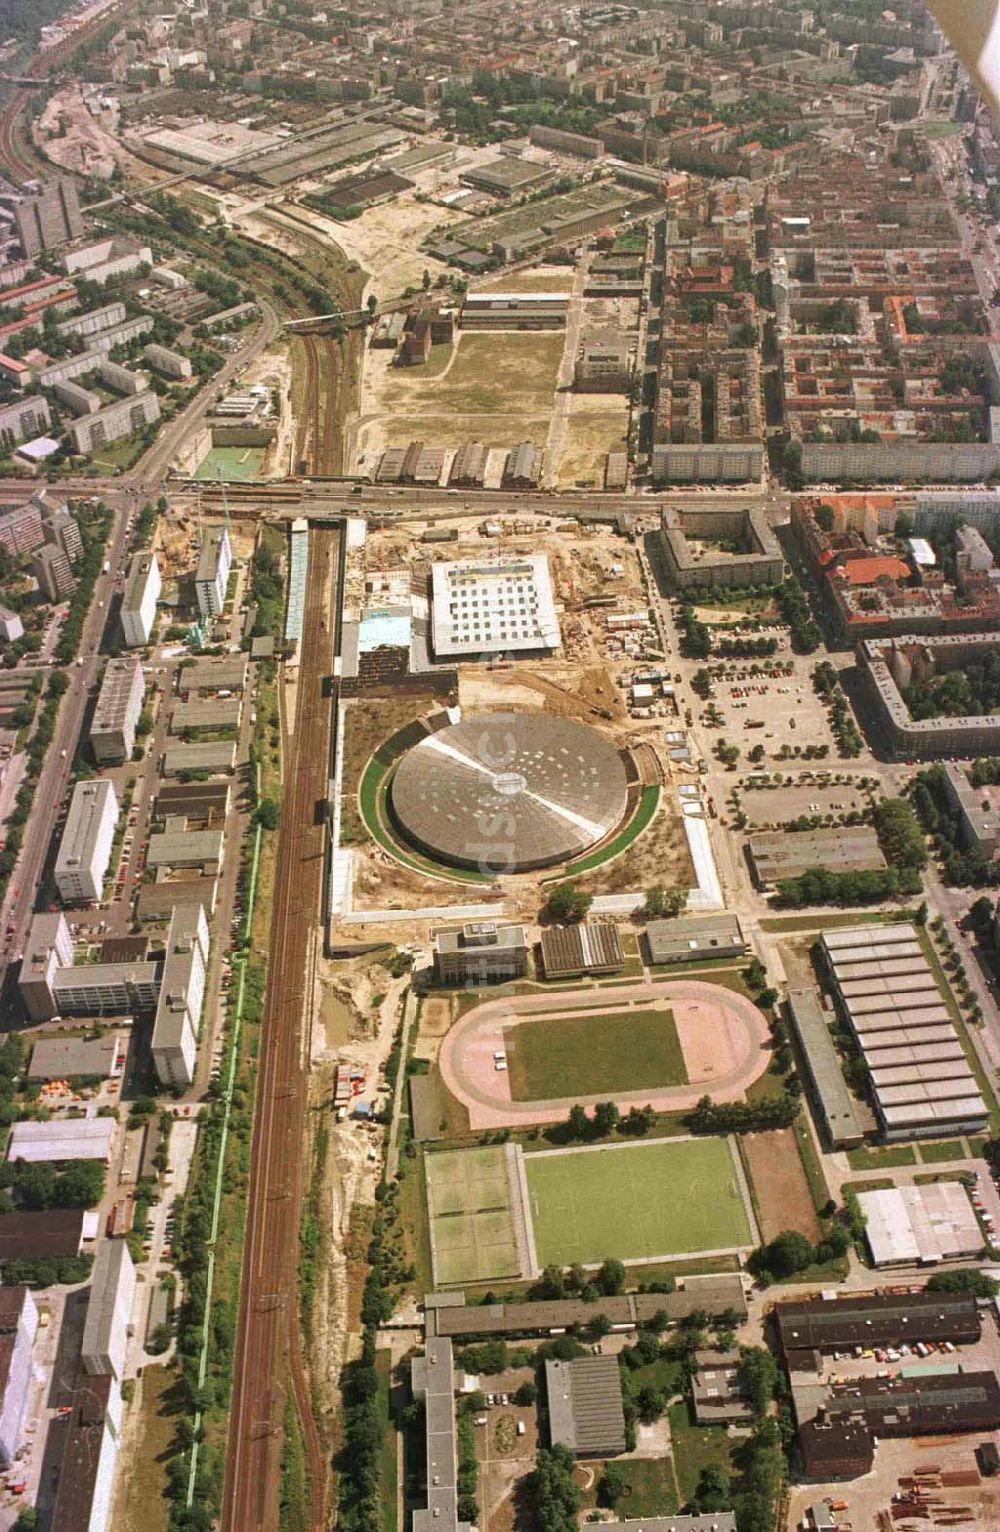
(142,591)
(23,419)
(170,363)
(109,1311)
(18,1328)
(182,996)
(51,568)
(119,703)
(49,217)
(85,848)
(212,574)
(21,529)
(47,948)
(123,418)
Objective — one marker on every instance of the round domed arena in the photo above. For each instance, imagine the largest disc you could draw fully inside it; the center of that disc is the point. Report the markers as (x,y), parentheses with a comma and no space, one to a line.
(507,792)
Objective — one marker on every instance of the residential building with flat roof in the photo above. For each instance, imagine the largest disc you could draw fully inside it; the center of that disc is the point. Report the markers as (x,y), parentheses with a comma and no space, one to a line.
(978,809)
(828,1091)
(47,948)
(586,1412)
(109,1310)
(211,579)
(432,1379)
(122,418)
(182,994)
(691,939)
(106,989)
(48,217)
(23,419)
(21,528)
(480,952)
(886,666)
(85,847)
(590,947)
(52,569)
(689,558)
(119,704)
(18,1328)
(142,591)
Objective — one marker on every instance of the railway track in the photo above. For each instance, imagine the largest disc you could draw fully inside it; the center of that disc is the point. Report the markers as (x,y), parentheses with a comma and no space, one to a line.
(17,167)
(318,442)
(42,64)
(268,1357)
(309,424)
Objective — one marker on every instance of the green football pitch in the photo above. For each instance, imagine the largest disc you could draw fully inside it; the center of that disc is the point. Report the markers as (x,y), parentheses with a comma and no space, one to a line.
(471,1221)
(621,1050)
(637,1201)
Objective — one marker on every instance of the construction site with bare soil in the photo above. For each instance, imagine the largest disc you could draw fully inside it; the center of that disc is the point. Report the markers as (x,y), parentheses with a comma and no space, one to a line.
(599,667)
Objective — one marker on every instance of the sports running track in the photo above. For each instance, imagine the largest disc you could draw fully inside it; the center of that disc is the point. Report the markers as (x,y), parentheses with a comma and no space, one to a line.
(723,1036)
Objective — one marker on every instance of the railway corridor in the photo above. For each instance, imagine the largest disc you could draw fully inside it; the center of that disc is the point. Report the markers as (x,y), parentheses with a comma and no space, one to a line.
(268,1355)
(319,438)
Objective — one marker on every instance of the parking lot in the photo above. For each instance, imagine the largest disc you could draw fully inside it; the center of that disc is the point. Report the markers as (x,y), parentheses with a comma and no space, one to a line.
(770,807)
(781,712)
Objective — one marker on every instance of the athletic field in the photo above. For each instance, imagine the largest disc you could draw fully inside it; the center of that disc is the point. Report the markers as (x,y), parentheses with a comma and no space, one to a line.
(565,1055)
(471,1218)
(637,1201)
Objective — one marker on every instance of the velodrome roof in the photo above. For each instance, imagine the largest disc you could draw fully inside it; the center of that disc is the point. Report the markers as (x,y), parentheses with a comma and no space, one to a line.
(555,785)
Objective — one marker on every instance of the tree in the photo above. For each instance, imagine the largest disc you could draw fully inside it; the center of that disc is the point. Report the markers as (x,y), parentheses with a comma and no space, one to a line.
(526,1393)
(664,902)
(650,1402)
(755,974)
(610,1278)
(611,1485)
(713,1491)
(268,813)
(578,1123)
(568,902)
(556,1494)
(426,279)
(757,1376)
(372,304)
(605,1118)
(787,1253)
(551,1284)
(968,1281)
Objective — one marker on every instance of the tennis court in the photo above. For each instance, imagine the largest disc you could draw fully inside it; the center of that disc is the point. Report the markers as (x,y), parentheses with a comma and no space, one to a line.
(639,1202)
(469,1204)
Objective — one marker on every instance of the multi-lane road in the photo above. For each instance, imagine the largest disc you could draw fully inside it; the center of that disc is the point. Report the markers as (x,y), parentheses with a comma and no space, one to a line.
(24,887)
